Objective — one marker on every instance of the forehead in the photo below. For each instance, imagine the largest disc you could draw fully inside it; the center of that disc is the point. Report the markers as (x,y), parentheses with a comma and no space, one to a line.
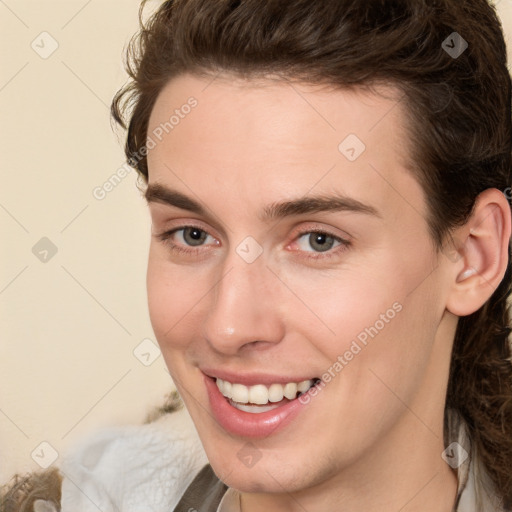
(279,110)
(278,139)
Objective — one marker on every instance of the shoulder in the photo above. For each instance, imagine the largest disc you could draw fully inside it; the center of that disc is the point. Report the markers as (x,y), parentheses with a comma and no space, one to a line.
(134,468)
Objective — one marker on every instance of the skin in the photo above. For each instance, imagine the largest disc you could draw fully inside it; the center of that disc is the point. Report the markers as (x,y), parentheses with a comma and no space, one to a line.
(372,437)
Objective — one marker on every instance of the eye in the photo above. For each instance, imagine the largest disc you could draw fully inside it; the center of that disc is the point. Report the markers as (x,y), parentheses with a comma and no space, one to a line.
(319,241)
(191,235)
(186,239)
(319,244)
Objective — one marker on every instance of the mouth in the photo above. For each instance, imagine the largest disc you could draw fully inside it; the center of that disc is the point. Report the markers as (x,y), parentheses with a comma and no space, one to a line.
(261,398)
(256,410)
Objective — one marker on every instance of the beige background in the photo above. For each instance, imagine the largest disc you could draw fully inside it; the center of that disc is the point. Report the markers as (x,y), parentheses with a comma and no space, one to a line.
(70,324)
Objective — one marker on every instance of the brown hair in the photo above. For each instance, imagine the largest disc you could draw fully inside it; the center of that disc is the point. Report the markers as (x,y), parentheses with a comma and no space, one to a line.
(459,110)
(20,494)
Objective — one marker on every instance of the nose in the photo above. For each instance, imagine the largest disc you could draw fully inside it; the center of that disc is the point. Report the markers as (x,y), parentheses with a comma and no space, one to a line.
(244,308)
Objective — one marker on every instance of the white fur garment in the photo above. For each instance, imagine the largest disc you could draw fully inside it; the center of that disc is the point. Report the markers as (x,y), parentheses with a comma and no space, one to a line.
(144,468)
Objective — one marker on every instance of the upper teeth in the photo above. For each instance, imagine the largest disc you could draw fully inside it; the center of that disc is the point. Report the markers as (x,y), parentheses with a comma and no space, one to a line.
(261,394)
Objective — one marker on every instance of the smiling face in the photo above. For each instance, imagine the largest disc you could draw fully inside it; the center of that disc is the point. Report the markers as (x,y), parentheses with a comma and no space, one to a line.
(284,251)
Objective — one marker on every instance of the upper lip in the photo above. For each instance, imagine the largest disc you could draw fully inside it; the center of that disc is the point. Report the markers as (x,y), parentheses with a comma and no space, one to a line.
(251,379)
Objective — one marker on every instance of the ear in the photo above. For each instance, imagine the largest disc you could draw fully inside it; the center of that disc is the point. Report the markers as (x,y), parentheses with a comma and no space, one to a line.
(483,253)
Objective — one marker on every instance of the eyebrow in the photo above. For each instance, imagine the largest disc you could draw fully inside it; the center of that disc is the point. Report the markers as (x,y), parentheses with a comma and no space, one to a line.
(158,193)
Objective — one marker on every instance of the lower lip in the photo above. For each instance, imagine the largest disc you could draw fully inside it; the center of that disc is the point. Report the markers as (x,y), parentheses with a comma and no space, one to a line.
(246,424)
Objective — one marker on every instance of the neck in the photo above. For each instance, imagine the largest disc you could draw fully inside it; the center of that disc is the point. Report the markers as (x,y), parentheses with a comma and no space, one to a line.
(405,473)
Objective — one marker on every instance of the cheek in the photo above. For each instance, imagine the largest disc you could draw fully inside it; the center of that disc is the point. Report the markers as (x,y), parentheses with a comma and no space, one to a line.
(394,363)
(336,308)
(170,297)
(374,323)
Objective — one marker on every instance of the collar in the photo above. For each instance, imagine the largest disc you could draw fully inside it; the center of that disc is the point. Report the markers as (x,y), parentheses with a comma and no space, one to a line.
(476,491)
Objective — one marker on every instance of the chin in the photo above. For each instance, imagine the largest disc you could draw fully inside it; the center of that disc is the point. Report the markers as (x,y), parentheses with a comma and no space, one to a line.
(261,478)
(239,464)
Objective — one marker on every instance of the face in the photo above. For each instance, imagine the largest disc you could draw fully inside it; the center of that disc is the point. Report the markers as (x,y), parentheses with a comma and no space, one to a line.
(286,253)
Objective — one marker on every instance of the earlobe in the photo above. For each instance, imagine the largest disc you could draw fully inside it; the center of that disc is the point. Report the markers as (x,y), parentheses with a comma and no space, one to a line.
(484,253)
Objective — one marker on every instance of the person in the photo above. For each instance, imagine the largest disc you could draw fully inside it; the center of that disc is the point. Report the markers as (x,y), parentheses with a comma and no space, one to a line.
(329,267)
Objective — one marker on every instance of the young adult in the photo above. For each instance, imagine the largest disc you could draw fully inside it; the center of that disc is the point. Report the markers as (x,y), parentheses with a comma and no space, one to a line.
(329,266)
